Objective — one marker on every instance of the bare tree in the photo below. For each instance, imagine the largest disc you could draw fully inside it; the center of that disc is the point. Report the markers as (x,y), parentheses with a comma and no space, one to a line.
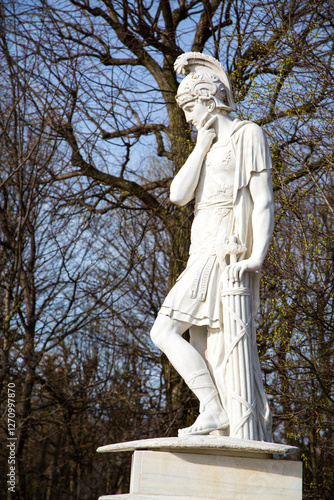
(53,293)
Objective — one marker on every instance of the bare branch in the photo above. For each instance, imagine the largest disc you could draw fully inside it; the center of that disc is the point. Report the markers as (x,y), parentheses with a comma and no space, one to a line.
(135,131)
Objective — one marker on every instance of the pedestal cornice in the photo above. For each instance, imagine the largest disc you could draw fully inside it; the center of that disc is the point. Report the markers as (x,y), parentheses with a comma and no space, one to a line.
(204,444)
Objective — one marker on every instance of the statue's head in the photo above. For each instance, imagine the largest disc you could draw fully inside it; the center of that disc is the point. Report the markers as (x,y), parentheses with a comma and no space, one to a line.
(206,80)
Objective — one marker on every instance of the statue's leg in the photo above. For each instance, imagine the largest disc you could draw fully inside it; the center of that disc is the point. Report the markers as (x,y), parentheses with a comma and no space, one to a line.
(167,335)
(198,339)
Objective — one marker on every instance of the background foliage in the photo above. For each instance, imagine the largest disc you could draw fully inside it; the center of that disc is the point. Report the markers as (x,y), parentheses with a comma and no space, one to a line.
(89,243)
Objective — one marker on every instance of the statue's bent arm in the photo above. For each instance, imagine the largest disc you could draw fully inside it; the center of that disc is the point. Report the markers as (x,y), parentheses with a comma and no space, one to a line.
(184,185)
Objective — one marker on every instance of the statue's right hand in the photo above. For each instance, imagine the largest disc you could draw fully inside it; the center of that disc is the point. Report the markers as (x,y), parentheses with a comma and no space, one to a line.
(206,133)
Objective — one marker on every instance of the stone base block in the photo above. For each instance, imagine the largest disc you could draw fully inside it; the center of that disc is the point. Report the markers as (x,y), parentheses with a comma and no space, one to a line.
(215,477)
(171,469)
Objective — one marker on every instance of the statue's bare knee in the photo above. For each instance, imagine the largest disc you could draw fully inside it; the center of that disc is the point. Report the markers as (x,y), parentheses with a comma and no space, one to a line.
(164,329)
(160,331)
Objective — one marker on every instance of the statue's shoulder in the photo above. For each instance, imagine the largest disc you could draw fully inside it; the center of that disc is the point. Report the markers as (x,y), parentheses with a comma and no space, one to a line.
(246,129)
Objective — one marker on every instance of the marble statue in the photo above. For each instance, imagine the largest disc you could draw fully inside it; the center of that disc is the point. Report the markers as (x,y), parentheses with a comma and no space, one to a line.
(228,174)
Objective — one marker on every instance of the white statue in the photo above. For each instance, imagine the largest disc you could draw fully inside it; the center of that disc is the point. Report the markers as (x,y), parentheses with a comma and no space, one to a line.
(216,297)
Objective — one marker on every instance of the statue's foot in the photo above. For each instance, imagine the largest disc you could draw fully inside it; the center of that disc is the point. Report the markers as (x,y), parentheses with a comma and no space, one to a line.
(205,423)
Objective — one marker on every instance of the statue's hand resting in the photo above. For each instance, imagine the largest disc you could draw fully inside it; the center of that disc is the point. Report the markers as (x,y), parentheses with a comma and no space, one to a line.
(205,134)
(236,271)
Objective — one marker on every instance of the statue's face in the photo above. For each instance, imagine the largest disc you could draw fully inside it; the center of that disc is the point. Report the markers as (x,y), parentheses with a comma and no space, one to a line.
(195,112)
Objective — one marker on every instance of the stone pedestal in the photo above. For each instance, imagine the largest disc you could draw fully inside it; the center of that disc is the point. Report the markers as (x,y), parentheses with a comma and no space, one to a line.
(210,467)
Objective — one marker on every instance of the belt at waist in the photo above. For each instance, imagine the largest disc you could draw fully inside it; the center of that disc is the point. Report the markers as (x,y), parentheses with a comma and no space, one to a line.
(219,204)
